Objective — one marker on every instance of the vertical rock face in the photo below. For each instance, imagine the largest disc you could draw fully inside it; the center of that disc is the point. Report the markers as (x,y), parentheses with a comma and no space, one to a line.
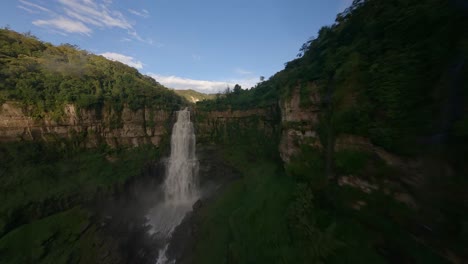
(223,126)
(90,126)
(299,122)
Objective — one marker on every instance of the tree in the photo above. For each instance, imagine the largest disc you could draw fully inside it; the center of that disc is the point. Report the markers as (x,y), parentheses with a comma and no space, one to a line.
(237,89)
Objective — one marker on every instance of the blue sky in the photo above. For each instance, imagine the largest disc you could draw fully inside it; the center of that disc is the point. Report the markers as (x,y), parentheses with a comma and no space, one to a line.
(184,44)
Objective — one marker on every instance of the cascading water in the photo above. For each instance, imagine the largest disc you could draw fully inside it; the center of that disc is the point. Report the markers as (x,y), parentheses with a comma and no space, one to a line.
(180,186)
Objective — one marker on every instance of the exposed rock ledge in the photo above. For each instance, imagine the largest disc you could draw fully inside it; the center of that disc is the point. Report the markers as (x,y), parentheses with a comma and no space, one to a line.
(299,123)
(128,128)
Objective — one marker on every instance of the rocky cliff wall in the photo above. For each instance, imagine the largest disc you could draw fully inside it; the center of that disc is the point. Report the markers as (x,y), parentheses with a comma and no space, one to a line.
(91,127)
(299,123)
(232,126)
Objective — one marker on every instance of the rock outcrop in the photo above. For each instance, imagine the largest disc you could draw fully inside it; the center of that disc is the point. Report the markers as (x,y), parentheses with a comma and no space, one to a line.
(223,126)
(299,122)
(90,127)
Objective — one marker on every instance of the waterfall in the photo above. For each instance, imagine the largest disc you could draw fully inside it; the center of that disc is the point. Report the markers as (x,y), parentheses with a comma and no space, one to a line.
(180,187)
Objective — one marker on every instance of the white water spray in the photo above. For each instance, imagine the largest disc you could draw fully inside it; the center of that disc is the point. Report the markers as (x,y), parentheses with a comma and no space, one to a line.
(180,186)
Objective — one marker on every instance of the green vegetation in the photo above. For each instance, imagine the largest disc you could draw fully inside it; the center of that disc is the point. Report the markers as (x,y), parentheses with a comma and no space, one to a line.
(194,96)
(257,218)
(373,233)
(246,224)
(252,130)
(66,237)
(387,78)
(37,179)
(44,77)
(262,95)
(394,72)
(350,162)
(45,187)
(270,217)
(383,78)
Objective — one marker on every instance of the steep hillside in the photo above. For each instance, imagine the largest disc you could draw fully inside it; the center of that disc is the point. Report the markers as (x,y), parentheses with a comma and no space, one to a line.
(373,132)
(46,77)
(52,93)
(76,130)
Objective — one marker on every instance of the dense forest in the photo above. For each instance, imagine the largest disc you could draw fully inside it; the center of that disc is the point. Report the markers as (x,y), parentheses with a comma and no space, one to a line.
(386,68)
(46,77)
(395,73)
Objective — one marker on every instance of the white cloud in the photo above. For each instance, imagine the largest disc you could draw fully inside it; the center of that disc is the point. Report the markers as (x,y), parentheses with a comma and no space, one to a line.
(143,13)
(64,24)
(196,57)
(130,61)
(33,5)
(201,85)
(242,71)
(88,11)
(84,19)
(27,9)
(246,83)
(136,36)
(82,16)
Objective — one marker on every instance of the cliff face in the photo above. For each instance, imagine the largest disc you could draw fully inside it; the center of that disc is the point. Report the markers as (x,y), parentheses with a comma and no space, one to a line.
(232,125)
(90,127)
(299,123)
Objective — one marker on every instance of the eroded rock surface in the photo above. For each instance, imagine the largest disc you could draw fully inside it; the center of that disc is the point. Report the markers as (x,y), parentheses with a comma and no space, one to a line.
(299,123)
(90,126)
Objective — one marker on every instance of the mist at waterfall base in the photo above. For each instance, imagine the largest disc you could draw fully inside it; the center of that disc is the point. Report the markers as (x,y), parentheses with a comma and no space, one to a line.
(180,187)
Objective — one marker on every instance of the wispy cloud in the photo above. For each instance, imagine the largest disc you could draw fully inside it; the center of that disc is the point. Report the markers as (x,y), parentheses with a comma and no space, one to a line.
(242,71)
(93,13)
(201,85)
(143,13)
(196,57)
(33,5)
(130,61)
(30,11)
(186,83)
(136,36)
(64,24)
(83,16)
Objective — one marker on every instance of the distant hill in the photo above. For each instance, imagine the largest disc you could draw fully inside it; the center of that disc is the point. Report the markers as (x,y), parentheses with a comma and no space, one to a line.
(194,96)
